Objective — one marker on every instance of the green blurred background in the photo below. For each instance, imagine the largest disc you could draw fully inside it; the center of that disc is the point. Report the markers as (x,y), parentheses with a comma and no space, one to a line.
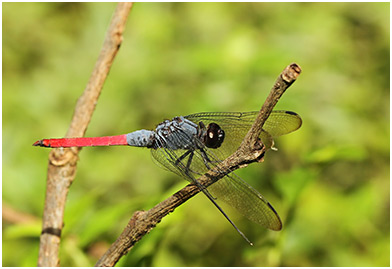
(329,181)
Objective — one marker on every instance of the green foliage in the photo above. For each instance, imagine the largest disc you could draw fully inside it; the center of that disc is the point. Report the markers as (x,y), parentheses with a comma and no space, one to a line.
(329,181)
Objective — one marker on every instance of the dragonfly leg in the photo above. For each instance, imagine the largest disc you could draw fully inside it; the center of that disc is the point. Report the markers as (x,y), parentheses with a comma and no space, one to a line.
(188,171)
(189,162)
(206,163)
(183,157)
(205,158)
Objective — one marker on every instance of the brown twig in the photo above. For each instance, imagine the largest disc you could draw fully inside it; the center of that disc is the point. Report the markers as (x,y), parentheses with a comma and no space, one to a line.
(143,221)
(11,215)
(62,162)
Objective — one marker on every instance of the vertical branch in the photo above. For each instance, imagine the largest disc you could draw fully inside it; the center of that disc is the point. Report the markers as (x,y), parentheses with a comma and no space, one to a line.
(62,162)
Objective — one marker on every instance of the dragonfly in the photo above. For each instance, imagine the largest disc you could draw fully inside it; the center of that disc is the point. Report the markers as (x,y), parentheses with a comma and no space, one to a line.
(191,145)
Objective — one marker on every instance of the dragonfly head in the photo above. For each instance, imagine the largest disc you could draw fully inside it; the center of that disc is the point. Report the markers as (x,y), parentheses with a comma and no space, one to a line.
(214,136)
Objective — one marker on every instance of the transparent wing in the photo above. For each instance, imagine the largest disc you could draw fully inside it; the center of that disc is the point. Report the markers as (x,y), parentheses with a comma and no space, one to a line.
(249,202)
(280,122)
(231,189)
(237,124)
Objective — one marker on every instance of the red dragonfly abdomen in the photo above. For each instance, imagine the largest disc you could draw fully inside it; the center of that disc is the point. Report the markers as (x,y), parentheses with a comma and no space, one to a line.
(82,141)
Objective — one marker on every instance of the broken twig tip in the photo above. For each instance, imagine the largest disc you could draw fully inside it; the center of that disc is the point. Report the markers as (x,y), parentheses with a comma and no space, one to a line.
(291,72)
(295,67)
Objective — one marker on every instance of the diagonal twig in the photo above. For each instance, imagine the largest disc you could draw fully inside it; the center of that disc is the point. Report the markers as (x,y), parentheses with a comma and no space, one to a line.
(62,162)
(250,151)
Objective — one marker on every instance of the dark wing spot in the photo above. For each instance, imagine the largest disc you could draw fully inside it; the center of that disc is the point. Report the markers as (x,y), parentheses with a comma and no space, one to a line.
(291,113)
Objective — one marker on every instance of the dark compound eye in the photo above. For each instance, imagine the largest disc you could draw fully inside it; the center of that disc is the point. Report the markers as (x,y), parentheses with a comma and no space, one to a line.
(214,136)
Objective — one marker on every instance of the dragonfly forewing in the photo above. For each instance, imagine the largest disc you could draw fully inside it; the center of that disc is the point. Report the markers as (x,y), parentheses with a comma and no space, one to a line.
(237,124)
